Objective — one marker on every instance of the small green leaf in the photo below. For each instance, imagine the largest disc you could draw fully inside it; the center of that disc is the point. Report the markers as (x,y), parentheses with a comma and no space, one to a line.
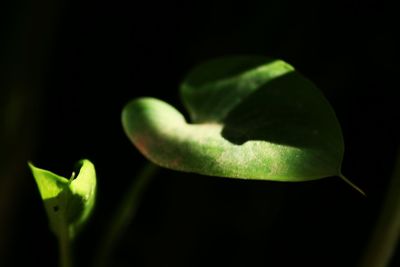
(68,202)
(251,118)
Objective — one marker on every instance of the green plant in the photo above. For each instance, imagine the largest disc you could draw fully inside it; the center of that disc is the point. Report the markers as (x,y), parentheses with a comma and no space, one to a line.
(250,118)
(68,203)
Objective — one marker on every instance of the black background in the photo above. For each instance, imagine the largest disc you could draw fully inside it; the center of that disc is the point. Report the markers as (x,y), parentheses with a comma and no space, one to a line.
(71,66)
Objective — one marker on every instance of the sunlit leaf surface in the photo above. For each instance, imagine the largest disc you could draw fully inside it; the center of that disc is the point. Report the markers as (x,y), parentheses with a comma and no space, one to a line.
(68,202)
(250,117)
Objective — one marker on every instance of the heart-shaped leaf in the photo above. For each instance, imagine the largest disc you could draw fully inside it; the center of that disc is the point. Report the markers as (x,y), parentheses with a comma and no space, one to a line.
(251,118)
(68,202)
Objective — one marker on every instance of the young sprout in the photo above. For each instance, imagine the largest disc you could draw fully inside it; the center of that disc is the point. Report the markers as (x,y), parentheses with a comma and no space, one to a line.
(68,202)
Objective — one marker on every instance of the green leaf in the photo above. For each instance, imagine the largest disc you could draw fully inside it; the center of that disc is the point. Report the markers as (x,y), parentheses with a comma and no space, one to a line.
(251,118)
(68,202)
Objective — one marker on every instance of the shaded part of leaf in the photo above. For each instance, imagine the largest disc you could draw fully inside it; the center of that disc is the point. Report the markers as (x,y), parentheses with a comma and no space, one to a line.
(289,111)
(214,88)
(75,208)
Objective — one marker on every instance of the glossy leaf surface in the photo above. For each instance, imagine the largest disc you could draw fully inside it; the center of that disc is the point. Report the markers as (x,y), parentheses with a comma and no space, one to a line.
(250,117)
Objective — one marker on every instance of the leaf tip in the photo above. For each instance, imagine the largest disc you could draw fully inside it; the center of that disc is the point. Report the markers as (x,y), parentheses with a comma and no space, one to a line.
(30,165)
(352,184)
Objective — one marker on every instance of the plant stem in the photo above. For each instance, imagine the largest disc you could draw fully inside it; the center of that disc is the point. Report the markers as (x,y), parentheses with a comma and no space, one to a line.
(387,231)
(124,214)
(64,244)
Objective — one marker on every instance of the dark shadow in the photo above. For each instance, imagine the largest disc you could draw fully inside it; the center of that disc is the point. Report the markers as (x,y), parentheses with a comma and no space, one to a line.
(288,110)
(73,208)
